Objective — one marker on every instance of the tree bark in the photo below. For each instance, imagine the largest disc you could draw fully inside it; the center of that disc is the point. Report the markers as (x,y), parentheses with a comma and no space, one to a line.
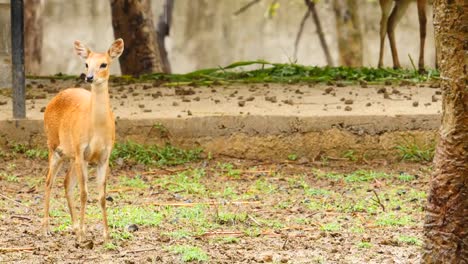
(133,21)
(445,226)
(348,32)
(164,28)
(33,32)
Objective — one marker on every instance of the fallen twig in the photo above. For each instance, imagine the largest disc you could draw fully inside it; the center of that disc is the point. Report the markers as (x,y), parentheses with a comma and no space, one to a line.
(21,217)
(254,220)
(17,249)
(203,203)
(123,189)
(140,250)
(378,200)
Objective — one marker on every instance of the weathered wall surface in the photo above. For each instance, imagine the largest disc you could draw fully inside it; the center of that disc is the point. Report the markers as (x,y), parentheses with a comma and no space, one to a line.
(206,34)
(5,44)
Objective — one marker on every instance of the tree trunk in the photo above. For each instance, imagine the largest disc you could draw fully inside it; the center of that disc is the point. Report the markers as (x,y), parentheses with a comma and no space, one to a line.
(445,226)
(348,32)
(164,28)
(133,21)
(33,35)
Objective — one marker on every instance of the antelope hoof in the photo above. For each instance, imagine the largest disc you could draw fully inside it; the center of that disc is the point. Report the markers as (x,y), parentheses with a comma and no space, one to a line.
(46,229)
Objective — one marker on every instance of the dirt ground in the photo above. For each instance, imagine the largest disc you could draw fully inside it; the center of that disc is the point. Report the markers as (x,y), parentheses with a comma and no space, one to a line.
(223,211)
(150,100)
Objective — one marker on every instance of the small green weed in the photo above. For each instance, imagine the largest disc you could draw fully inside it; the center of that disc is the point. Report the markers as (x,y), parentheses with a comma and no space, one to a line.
(392,219)
(131,214)
(228,169)
(226,240)
(136,182)
(330,227)
(292,157)
(110,246)
(230,218)
(189,253)
(406,177)
(316,192)
(123,235)
(178,234)
(186,181)
(364,245)
(410,240)
(350,155)
(411,151)
(37,154)
(263,186)
(364,175)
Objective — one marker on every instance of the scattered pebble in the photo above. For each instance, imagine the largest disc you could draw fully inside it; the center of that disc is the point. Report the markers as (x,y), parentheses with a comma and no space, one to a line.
(329,90)
(241,103)
(349,101)
(348,108)
(132,228)
(415,103)
(175,104)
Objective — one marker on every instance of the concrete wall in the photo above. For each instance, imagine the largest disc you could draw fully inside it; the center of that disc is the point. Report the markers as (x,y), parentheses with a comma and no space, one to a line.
(5,44)
(206,34)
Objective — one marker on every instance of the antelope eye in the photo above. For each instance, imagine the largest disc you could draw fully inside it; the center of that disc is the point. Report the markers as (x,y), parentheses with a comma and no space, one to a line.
(103,65)
(86,64)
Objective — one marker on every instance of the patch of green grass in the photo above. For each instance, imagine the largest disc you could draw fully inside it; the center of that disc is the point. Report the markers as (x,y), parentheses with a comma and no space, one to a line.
(406,177)
(263,186)
(289,73)
(316,192)
(178,234)
(392,219)
(364,175)
(331,227)
(410,240)
(131,214)
(189,253)
(9,177)
(292,157)
(37,154)
(409,150)
(187,182)
(334,176)
(152,154)
(350,155)
(364,245)
(252,231)
(224,218)
(122,235)
(136,182)
(226,240)
(229,170)
(110,246)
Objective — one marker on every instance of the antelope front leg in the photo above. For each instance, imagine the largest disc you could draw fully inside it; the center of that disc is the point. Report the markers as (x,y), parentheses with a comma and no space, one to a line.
(81,168)
(102,172)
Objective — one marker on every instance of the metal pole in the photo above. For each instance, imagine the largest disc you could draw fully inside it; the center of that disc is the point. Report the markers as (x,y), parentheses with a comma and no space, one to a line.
(17,47)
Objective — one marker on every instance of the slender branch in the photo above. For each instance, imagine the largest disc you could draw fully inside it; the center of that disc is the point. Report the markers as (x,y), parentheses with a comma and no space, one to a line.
(378,200)
(17,249)
(299,33)
(8,198)
(311,5)
(245,7)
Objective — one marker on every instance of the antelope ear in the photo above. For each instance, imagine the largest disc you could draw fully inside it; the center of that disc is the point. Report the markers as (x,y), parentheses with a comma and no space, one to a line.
(81,49)
(116,48)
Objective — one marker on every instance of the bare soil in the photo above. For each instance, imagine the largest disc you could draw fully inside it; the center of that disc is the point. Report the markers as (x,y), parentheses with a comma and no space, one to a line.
(286,212)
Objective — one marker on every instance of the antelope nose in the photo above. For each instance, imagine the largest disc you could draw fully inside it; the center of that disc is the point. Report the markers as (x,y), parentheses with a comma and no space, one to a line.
(89,78)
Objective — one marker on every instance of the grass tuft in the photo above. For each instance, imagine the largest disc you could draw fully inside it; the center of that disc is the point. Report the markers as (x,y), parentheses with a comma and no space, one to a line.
(189,253)
(152,154)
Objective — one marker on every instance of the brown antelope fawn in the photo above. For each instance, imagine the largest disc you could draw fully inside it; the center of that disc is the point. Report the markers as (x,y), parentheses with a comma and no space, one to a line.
(388,23)
(80,128)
